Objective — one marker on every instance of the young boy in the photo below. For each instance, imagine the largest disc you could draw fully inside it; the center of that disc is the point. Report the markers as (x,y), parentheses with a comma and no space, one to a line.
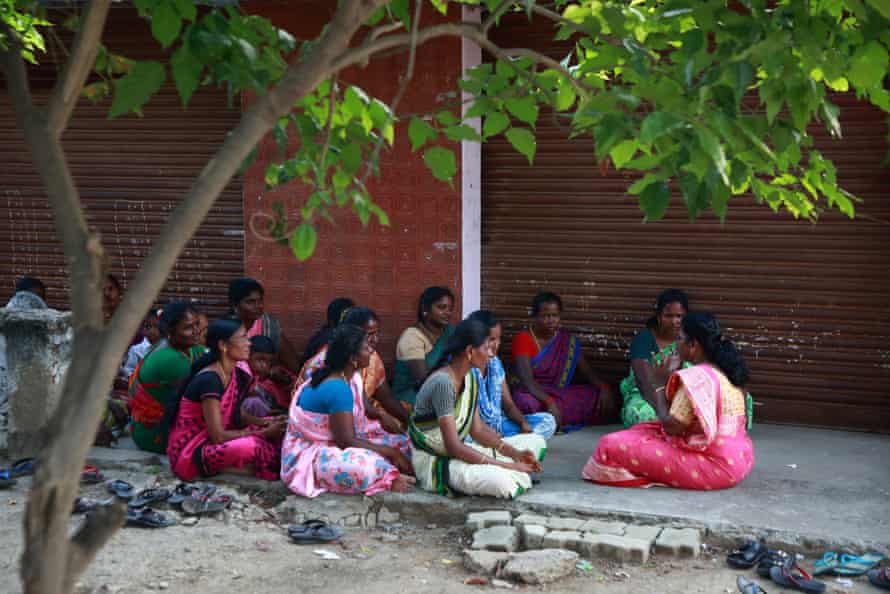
(150,336)
(270,394)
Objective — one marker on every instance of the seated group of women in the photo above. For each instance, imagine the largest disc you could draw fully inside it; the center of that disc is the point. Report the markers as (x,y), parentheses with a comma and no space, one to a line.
(452,422)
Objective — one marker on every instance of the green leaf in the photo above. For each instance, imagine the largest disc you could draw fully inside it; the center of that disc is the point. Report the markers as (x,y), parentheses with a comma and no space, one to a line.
(441,163)
(400,10)
(351,157)
(187,9)
(462,132)
(882,6)
(136,87)
(165,22)
(711,145)
(523,141)
(446,118)
(869,66)
(495,123)
(695,195)
(656,125)
(830,112)
(654,201)
(565,96)
(440,5)
(186,68)
(355,100)
(303,241)
(524,109)
(419,132)
(623,152)
(741,74)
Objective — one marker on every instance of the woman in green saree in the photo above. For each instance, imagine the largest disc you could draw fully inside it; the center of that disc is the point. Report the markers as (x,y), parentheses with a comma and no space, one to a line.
(653,347)
(420,346)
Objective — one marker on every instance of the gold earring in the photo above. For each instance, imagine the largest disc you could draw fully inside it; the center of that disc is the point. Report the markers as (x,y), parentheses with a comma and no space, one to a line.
(469,357)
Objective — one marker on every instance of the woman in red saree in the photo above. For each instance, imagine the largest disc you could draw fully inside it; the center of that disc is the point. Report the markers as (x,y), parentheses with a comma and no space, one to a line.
(547,360)
(211,433)
(701,441)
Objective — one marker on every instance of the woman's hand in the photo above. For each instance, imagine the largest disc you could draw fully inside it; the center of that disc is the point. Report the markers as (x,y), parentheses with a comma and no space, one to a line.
(607,403)
(528,457)
(524,427)
(400,461)
(553,409)
(391,425)
(523,467)
(662,371)
(274,429)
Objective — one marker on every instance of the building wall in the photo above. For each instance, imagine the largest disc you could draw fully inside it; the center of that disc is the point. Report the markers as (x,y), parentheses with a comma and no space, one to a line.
(383,268)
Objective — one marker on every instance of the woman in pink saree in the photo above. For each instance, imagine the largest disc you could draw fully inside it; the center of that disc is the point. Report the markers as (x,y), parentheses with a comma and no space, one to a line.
(331,444)
(211,433)
(701,441)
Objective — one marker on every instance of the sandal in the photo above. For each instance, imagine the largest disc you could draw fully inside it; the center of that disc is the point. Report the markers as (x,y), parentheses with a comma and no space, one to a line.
(181,492)
(748,556)
(880,578)
(148,518)
(314,531)
(851,565)
(23,467)
(204,501)
(91,475)
(121,489)
(746,586)
(149,496)
(797,579)
(84,505)
(774,558)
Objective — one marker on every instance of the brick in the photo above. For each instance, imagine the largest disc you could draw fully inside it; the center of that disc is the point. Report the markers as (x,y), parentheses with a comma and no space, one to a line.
(484,562)
(603,527)
(617,548)
(540,567)
(486,519)
(532,536)
(647,533)
(562,539)
(679,542)
(565,524)
(497,538)
(530,519)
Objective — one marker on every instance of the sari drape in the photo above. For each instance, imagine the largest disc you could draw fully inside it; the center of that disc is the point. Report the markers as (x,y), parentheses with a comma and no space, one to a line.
(403,382)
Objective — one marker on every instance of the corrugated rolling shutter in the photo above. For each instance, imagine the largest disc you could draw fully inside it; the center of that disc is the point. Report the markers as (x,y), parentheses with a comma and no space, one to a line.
(132,172)
(809,304)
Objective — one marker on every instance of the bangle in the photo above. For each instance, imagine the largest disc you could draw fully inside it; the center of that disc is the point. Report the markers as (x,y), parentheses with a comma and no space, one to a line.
(500,447)
(659,388)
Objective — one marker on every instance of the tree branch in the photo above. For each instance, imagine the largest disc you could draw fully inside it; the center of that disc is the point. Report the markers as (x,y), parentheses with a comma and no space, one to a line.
(96,529)
(495,15)
(78,66)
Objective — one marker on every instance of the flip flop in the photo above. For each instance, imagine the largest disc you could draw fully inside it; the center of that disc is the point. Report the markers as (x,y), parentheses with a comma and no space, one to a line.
(313,531)
(851,565)
(827,564)
(6,483)
(121,489)
(23,467)
(84,505)
(774,558)
(148,497)
(880,578)
(797,579)
(148,518)
(746,586)
(91,475)
(748,556)
(181,492)
(206,501)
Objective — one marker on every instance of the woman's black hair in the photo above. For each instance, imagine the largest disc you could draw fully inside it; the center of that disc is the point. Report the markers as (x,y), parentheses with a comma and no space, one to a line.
(218,330)
(485,316)
(665,298)
(241,288)
(359,316)
(29,283)
(429,296)
(720,351)
(260,344)
(346,342)
(174,312)
(114,281)
(336,310)
(542,298)
(469,332)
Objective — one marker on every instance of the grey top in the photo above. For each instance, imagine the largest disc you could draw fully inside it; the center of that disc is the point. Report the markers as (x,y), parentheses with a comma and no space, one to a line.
(26,300)
(436,396)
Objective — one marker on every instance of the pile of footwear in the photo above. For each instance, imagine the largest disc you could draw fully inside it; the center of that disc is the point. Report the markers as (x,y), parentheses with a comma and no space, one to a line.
(783,568)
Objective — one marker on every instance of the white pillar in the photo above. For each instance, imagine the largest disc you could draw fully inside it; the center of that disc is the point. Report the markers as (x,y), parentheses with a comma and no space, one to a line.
(471,188)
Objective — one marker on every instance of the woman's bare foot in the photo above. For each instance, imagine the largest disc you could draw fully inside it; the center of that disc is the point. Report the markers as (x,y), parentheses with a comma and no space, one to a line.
(403,483)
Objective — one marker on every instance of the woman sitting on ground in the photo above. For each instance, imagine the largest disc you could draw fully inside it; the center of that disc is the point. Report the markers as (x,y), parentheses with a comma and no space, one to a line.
(382,404)
(653,346)
(447,412)
(701,441)
(210,433)
(546,358)
(420,346)
(246,296)
(161,374)
(320,339)
(496,406)
(330,444)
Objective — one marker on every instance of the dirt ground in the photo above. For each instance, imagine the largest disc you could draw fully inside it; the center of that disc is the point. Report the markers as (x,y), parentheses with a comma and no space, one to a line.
(246,551)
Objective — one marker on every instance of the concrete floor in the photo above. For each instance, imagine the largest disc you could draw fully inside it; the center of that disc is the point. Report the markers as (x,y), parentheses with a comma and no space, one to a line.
(830,485)
(811,487)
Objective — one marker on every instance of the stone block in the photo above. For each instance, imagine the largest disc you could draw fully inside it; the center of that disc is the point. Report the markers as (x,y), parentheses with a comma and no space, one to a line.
(486,519)
(532,536)
(647,533)
(603,527)
(484,562)
(530,519)
(540,567)
(565,524)
(679,542)
(562,539)
(617,548)
(497,538)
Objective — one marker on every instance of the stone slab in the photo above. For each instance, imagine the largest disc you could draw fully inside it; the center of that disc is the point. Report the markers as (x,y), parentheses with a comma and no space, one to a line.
(679,542)
(532,536)
(555,523)
(497,538)
(540,567)
(535,519)
(617,548)
(647,533)
(486,519)
(603,527)
(562,539)
(484,562)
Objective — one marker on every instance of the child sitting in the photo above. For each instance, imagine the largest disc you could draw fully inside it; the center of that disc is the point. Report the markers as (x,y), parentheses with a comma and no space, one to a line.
(270,393)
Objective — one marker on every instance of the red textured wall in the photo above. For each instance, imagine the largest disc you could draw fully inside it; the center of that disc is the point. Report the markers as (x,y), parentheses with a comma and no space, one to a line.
(382,268)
